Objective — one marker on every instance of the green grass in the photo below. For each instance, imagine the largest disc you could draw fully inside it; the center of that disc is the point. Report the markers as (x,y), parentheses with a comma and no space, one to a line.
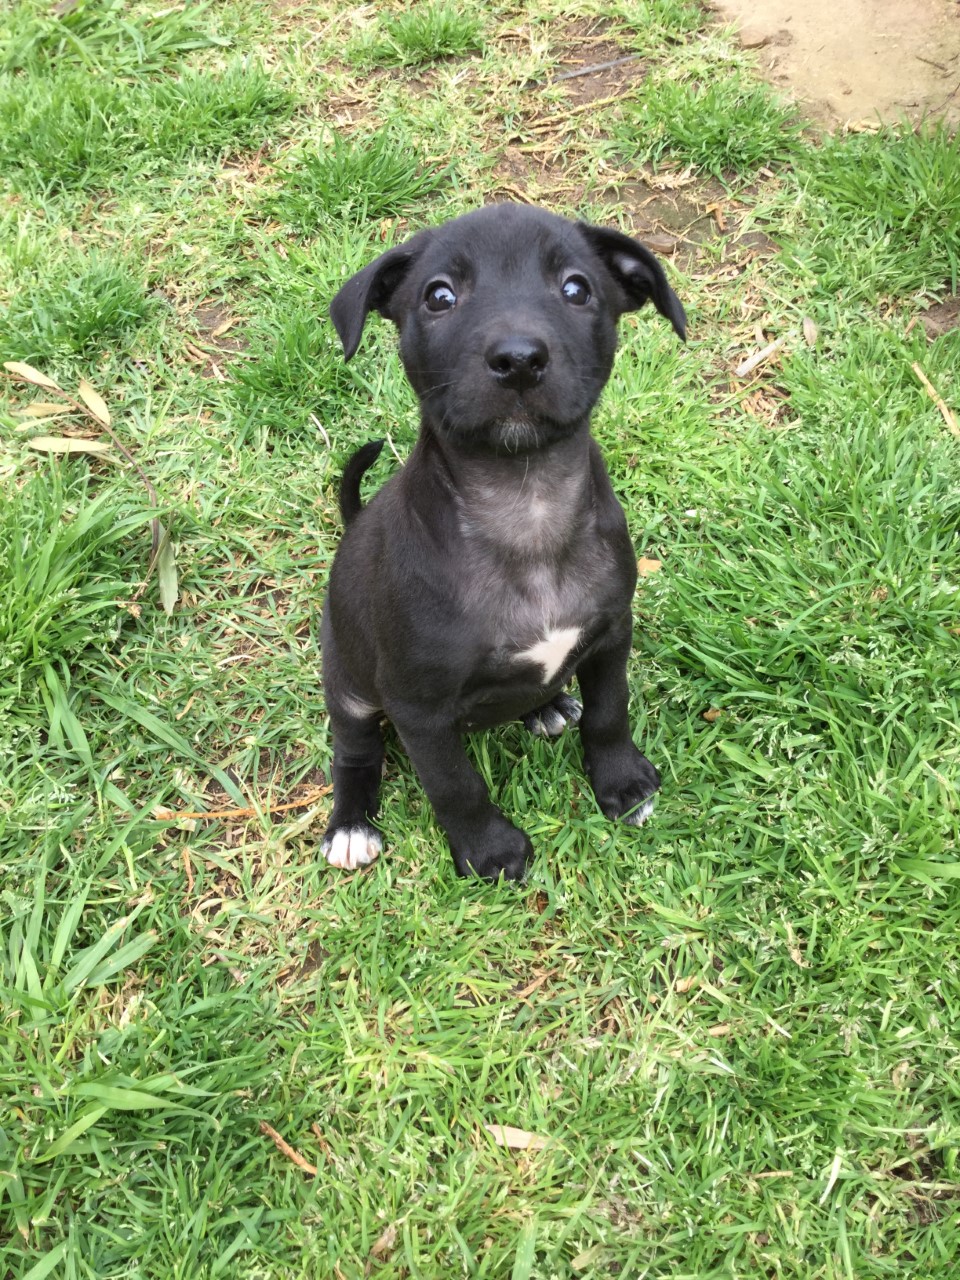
(421,34)
(738,1029)
(896,194)
(357,179)
(102,35)
(70,304)
(722,125)
(80,131)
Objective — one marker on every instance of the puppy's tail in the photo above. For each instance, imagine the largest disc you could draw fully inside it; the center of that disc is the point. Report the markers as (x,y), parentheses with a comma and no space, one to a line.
(362,460)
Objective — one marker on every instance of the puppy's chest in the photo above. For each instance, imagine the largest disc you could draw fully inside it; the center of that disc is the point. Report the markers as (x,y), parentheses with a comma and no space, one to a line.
(532,622)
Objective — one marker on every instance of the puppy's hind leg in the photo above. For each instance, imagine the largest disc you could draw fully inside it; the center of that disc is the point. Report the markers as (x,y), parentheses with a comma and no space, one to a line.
(351,840)
(553,717)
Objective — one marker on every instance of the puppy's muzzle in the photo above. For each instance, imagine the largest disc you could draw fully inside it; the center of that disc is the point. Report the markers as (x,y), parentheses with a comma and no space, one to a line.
(517,362)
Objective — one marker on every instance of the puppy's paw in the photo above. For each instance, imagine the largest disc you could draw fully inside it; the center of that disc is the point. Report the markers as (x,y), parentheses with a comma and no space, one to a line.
(351,847)
(624,783)
(554,716)
(500,849)
(637,817)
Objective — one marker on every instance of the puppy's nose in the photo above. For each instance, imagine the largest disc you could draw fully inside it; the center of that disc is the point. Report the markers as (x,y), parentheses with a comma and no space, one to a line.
(518,362)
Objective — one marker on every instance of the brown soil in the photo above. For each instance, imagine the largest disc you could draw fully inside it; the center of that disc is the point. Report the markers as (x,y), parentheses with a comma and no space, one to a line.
(941,318)
(852,62)
(594,66)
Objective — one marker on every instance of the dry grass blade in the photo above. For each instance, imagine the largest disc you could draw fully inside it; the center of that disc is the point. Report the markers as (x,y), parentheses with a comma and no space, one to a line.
(44,409)
(68,444)
(505,1135)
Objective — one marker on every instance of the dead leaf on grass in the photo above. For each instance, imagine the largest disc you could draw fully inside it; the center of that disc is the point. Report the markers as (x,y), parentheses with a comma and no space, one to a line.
(68,444)
(29,374)
(669,181)
(810,332)
(717,209)
(586,1259)
(645,566)
(384,1245)
(901,1073)
(45,409)
(221,329)
(94,402)
(793,949)
(167,572)
(504,1135)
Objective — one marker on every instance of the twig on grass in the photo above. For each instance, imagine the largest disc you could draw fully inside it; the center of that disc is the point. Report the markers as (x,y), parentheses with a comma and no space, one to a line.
(937,399)
(163,814)
(596,67)
(548,122)
(285,1149)
(759,358)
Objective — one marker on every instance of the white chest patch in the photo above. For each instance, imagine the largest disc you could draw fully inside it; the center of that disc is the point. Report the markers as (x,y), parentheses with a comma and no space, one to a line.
(552,651)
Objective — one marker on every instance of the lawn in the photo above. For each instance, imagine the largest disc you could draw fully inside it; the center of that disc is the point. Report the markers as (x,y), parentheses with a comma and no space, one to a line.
(724,1045)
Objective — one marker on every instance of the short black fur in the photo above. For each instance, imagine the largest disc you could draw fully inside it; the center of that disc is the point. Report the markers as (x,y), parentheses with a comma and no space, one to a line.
(496,565)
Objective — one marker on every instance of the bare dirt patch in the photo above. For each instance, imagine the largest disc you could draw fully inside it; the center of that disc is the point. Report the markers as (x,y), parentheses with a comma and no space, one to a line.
(594,66)
(941,318)
(213,347)
(679,216)
(856,61)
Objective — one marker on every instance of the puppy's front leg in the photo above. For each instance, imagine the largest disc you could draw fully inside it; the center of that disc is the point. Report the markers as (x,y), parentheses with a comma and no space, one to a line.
(623,779)
(351,840)
(482,841)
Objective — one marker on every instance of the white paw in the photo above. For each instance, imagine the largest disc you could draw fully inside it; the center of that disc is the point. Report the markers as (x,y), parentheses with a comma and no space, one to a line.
(352,847)
(548,723)
(552,719)
(641,814)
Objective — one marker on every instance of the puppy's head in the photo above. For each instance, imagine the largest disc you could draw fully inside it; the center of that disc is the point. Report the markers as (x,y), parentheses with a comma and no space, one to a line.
(507,320)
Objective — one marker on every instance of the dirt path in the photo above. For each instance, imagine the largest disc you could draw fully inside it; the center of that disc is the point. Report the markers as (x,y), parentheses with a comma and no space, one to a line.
(849,61)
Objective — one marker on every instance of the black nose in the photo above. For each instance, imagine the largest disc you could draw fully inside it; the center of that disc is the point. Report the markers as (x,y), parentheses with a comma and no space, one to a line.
(518,362)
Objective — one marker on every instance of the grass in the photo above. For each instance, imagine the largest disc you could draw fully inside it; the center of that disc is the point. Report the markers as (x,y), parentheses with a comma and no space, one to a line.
(75,131)
(357,179)
(899,204)
(102,35)
(725,125)
(738,1030)
(422,34)
(70,303)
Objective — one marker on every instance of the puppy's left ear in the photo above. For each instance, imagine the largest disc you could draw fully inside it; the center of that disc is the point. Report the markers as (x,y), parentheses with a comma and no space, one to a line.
(369,290)
(637,272)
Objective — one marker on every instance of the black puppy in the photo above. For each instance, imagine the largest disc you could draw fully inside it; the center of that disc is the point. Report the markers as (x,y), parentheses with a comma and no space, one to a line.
(496,564)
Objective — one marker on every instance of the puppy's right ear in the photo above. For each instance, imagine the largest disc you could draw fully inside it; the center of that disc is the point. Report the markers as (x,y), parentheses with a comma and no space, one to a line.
(369,290)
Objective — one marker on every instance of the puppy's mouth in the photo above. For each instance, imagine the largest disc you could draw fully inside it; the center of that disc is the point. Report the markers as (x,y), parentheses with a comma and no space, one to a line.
(517,434)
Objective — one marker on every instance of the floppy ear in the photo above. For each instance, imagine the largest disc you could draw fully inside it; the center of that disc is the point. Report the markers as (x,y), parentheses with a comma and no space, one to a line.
(637,272)
(369,290)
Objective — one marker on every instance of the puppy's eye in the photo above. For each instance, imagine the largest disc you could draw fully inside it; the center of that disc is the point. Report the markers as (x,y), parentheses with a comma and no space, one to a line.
(439,296)
(576,290)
